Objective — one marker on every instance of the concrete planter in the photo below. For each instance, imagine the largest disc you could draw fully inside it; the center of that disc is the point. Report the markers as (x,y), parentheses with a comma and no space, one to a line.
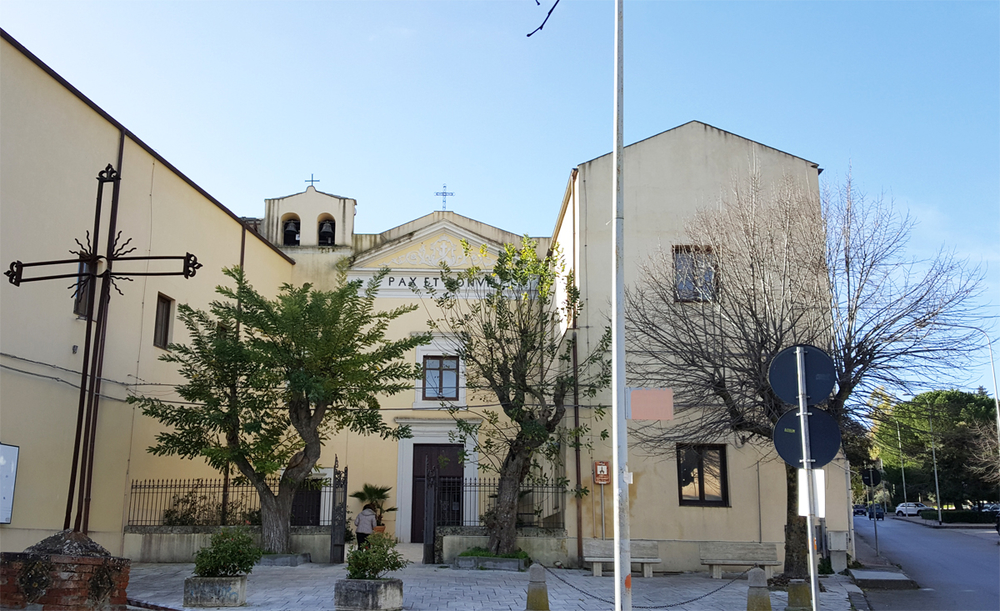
(215,591)
(368,594)
(491,563)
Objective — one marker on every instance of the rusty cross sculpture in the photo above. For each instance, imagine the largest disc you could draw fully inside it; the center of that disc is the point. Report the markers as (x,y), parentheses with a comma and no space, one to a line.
(89,261)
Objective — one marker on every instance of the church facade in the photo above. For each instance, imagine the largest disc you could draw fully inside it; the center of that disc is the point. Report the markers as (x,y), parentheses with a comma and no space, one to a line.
(55,142)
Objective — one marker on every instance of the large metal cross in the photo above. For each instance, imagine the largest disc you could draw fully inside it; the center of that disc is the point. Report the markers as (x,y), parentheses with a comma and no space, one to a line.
(444,193)
(89,262)
(312,180)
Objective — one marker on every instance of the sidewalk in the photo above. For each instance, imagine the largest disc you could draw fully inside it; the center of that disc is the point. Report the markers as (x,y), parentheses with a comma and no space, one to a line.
(879,572)
(438,588)
(934,524)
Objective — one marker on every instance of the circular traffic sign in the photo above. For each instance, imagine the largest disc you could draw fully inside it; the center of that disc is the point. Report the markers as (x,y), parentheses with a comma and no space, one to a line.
(783,374)
(871,477)
(824,437)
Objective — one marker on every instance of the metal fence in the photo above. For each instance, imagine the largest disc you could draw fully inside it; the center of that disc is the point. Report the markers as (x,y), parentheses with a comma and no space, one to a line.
(209,502)
(464,502)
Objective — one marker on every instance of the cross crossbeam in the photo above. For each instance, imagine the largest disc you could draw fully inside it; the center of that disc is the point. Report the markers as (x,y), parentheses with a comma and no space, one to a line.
(96,329)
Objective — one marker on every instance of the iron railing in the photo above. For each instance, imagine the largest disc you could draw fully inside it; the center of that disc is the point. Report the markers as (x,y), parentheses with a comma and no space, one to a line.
(465,502)
(207,502)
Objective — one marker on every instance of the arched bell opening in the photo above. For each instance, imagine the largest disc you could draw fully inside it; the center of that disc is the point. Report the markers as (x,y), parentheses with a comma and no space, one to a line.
(327,230)
(290,227)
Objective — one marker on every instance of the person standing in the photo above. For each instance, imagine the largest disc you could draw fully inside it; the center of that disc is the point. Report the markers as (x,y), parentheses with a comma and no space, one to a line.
(365,523)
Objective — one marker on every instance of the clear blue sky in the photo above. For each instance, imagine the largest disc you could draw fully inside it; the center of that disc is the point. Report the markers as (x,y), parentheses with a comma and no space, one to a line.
(386,101)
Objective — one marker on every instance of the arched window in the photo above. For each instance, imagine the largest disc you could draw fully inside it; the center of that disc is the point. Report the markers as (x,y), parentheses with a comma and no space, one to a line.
(291,232)
(327,228)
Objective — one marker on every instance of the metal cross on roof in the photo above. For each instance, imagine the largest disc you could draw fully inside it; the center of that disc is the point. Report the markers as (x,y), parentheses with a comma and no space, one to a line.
(444,193)
(312,179)
(87,262)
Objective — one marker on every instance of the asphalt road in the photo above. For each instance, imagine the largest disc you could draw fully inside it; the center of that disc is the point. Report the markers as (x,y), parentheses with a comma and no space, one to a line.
(956,569)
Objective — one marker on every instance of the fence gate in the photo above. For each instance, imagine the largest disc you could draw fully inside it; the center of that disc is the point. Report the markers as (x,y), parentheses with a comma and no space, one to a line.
(338,517)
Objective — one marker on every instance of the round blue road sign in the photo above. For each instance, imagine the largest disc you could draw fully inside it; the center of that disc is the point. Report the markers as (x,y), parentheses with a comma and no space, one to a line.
(824,437)
(784,377)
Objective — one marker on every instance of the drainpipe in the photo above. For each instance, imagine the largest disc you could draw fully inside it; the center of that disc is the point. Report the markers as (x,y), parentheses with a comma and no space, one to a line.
(576,450)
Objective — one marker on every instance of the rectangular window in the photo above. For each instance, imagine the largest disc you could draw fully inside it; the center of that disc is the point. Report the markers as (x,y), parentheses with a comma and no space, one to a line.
(694,273)
(84,284)
(701,475)
(441,378)
(161,328)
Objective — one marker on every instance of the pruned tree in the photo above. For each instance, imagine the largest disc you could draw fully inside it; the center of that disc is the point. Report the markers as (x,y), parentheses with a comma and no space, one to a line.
(267,380)
(509,327)
(772,267)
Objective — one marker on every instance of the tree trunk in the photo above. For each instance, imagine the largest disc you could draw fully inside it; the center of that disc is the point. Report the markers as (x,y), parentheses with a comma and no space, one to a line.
(796,537)
(275,517)
(502,524)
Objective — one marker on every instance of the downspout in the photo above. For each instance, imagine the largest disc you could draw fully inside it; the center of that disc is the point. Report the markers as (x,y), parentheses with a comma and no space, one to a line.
(576,373)
(576,449)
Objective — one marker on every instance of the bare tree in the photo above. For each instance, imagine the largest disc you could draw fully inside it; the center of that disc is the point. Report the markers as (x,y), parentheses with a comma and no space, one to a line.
(771,268)
(511,327)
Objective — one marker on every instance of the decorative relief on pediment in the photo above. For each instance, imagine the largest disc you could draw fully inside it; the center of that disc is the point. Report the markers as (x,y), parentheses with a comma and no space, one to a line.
(432,253)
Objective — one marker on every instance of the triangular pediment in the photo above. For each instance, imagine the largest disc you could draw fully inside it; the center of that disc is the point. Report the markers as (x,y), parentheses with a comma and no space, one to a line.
(428,247)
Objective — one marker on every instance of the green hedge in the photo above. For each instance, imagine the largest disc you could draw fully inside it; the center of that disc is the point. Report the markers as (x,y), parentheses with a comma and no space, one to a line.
(963,516)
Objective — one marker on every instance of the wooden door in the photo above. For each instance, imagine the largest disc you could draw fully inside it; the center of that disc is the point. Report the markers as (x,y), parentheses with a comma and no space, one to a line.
(446,457)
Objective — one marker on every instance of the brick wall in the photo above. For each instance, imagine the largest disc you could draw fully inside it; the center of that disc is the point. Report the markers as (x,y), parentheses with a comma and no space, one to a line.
(63,583)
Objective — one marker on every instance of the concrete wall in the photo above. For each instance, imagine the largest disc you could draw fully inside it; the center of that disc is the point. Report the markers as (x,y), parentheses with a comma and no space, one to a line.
(180,544)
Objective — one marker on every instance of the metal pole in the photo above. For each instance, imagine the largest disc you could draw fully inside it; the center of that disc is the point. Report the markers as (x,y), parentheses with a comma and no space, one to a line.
(937,490)
(901,469)
(800,359)
(619,429)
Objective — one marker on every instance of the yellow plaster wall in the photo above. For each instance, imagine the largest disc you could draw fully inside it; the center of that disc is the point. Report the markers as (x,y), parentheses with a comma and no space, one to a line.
(53,146)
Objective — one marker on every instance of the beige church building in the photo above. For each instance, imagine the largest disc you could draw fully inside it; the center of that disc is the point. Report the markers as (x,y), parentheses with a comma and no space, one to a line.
(56,142)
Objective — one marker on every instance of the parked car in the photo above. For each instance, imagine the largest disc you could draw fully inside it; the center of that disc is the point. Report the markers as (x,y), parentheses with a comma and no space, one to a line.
(876,512)
(910,509)
(859,510)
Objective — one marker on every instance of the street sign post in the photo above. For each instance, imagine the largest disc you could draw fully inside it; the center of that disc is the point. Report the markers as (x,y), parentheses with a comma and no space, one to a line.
(805,375)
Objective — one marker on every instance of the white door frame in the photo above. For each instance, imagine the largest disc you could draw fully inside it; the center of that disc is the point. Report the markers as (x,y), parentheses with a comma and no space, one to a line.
(425,430)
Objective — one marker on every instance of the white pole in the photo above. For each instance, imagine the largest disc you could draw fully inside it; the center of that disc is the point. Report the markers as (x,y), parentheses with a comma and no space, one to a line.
(937,490)
(902,470)
(800,359)
(619,429)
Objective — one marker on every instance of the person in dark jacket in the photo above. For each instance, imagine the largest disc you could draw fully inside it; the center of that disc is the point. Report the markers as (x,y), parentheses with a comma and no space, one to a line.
(365,523)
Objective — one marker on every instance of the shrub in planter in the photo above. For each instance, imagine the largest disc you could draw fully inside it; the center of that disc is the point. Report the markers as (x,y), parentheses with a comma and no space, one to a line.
(221,570)
(232,552)
(365,587)
(375,558)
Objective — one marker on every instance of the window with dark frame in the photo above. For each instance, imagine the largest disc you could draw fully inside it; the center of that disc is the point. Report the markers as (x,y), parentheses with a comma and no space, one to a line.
(695,273)
(161,328)
(440,378)
(85,284)
(701,475)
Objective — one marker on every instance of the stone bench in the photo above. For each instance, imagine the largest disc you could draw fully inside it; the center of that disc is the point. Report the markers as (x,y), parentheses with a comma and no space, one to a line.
(598,551)
(717,554)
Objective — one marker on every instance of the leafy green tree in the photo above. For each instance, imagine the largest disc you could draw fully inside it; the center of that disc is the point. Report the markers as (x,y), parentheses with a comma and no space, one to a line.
(512,327)
(267,380)
(955,417)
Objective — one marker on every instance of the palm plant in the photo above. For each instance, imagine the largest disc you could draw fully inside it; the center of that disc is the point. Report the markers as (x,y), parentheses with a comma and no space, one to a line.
(377,496)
